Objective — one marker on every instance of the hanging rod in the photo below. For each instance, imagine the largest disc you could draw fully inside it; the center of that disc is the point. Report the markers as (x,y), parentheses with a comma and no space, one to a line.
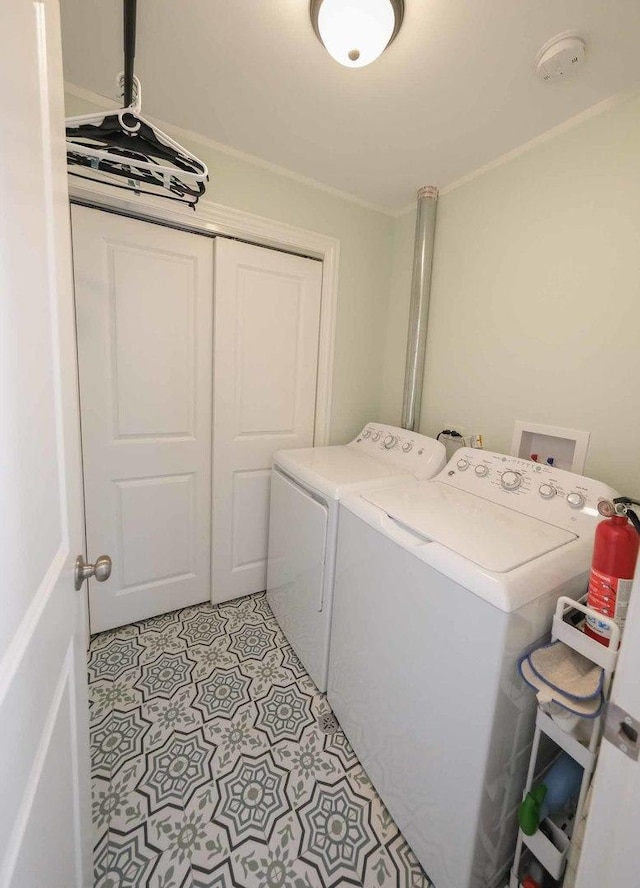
(129,12)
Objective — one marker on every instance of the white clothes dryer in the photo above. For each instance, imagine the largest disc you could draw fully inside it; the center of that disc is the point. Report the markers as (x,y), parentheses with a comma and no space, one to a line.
(439,588)
(306,486)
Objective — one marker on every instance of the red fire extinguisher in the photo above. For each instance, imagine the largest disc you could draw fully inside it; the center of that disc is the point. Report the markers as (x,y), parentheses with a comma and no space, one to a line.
(614,559)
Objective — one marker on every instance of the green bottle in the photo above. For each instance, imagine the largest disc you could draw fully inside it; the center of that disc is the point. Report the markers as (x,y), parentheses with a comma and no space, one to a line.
(529,810)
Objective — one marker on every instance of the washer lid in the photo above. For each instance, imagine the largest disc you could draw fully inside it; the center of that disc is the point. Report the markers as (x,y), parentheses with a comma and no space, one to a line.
(492,536)
(331,470)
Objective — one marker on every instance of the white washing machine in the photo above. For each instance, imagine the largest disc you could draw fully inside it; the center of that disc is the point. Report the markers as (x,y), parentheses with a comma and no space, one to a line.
(306,486)
(439,587)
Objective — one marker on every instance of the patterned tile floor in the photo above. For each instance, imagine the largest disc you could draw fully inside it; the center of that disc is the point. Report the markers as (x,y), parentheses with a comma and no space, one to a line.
(210,771)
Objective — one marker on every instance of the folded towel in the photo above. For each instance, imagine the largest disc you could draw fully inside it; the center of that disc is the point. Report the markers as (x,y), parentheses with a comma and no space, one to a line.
(588,708)
(567,671)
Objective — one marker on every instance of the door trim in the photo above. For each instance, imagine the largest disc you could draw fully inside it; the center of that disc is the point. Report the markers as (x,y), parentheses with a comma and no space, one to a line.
(216,219)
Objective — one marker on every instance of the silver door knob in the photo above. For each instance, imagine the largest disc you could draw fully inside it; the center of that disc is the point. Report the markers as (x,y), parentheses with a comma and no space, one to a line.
(101,570)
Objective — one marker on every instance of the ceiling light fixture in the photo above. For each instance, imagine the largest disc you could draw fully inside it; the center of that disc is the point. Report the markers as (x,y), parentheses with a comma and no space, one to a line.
(356,32)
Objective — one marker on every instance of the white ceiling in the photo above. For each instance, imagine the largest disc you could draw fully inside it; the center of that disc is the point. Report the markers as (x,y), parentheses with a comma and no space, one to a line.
(454,91)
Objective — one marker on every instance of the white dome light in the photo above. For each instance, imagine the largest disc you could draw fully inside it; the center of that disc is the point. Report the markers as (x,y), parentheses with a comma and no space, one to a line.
(356,32)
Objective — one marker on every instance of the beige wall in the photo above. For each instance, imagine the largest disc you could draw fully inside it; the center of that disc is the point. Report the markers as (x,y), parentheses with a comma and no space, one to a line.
(365,262)
(535,308)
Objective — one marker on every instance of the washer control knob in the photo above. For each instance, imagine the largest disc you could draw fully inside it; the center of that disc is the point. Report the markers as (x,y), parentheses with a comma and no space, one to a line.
(463,464)
(575,499)
(366,433)
(407,446)
(481,471)
(547,491)
(390,441)
(375,436)
(511,480)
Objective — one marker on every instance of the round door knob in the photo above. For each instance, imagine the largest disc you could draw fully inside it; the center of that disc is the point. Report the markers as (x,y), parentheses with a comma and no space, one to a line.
(390,441)
(575,499)
(463,464)
(100,569)
(547,491)
(375,436)
(511,480)
(481,471)
(407,446)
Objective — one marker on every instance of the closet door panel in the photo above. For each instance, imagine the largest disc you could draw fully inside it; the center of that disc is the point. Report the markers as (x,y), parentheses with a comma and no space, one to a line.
(152,311)
(144,308)
(164,507)
(267,359)
(250,519)
(267,323)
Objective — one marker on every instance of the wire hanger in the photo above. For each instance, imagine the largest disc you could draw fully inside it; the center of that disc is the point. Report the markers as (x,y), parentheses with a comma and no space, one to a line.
(123,144)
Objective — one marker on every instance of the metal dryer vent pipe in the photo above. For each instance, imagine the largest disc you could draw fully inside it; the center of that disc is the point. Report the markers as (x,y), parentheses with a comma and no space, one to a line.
(419,308)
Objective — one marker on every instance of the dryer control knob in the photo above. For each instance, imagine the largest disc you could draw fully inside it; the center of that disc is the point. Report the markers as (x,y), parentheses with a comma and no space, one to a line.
(407,446)
(463,464)
(575,499)
(547,491)
(390,441)
(481,471)
(511,480)
(375,436)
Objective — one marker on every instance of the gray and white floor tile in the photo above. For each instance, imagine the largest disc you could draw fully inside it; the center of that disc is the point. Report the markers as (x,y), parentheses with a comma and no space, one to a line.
(210,769)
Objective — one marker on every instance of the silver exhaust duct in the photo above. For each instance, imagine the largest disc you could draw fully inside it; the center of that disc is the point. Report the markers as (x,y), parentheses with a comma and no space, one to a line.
(419,309)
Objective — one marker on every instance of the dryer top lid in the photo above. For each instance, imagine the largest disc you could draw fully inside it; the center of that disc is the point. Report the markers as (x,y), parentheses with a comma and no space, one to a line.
(339,466)
(379,454)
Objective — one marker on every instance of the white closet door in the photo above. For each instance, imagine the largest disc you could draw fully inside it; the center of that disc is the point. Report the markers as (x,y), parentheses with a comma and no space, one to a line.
(144,312)
(267,322)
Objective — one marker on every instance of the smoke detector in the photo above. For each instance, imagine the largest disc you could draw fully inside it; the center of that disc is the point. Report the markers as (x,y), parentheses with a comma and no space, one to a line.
(560,56)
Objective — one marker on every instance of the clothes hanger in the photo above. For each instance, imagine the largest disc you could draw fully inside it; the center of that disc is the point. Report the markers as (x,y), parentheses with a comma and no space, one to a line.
(122,143)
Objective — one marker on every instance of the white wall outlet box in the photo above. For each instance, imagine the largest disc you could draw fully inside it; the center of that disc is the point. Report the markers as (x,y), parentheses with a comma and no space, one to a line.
(563,448)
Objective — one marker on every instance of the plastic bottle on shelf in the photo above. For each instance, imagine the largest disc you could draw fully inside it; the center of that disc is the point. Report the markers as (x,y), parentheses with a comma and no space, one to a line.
(561,784)
(534,877)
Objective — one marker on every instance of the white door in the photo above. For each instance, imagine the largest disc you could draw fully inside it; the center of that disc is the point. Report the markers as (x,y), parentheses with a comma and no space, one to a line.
(144,314)
(44,767)
(267,322)
(610,848)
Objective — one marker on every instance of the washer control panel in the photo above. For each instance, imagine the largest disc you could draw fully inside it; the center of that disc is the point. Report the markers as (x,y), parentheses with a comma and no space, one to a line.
(409,451)
(559,497)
